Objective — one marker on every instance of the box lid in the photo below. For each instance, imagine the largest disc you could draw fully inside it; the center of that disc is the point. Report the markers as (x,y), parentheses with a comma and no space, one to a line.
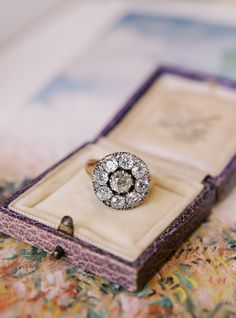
(191,119)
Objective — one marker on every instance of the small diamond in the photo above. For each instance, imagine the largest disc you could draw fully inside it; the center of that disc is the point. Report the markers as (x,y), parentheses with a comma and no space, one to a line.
(110,164)
(139,170)
(104,193)
(100,176)
(142,185)
(133,199)
(121,181)
(96,185)
(117,202)
(126,161)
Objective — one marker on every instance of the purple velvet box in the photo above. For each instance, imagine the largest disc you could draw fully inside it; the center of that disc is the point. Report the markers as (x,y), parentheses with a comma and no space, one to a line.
(187,184)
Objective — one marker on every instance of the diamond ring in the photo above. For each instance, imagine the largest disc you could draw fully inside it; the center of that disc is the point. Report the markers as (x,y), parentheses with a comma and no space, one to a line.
(121,180)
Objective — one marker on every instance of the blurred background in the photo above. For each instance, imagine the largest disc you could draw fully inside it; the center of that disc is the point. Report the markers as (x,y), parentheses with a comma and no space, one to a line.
(67,66)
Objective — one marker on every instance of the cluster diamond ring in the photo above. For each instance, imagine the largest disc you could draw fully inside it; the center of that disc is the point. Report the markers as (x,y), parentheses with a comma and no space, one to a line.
(121,180)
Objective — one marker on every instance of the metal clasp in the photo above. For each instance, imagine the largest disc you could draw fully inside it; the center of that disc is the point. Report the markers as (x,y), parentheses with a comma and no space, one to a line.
(67,225)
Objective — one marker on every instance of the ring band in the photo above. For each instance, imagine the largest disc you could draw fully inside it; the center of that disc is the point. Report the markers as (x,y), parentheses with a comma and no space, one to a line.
(90,166)
(121,180)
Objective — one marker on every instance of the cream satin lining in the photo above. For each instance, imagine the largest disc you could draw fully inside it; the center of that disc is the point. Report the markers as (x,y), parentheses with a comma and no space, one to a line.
(179,157)
(183,121)
(68,191)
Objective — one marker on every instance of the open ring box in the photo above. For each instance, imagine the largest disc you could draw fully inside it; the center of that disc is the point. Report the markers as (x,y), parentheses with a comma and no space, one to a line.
(182,125)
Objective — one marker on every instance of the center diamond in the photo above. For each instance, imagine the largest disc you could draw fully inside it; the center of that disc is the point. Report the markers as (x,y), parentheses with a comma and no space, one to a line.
(121,181)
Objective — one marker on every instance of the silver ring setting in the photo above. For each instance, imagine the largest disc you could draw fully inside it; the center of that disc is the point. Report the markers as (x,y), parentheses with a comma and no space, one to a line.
(121,180)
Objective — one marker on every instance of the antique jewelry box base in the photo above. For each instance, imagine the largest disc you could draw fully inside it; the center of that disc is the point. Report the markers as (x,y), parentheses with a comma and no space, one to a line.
(177,124)
(130,275)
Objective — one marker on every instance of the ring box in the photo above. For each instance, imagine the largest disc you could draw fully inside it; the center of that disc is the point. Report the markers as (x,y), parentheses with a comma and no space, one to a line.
(181,124)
